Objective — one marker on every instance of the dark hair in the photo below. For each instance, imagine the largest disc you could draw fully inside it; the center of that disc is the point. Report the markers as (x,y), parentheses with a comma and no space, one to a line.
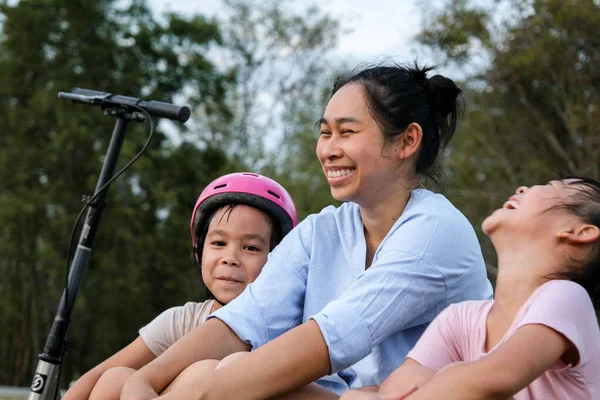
(585,205)
(201,231)
(399,95)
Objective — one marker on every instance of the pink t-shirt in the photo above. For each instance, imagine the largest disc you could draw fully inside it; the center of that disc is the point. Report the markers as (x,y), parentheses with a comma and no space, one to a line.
(459,334)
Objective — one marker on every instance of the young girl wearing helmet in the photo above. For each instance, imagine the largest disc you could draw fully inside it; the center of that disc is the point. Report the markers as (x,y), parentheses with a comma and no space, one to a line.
(238,219)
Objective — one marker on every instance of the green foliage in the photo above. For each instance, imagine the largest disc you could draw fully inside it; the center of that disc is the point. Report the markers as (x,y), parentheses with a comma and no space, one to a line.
(534,110)
(533,113)
(284,75)
(295,163)
(457,30)
(51,153)
(280,57)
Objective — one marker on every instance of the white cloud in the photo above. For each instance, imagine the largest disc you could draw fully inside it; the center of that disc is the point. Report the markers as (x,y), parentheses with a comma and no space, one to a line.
(379,27)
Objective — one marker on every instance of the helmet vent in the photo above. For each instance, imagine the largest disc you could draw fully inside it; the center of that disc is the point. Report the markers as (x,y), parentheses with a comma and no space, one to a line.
(273,194)
(248,173)
(220,186)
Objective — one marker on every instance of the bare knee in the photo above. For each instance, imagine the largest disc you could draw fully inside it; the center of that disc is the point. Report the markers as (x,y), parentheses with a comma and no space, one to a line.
(110,383)
(200,369)
(232,358)
(192,373)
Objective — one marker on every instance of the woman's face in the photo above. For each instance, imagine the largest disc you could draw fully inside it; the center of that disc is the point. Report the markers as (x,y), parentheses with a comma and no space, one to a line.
(355,160)
(235,250)
(530,210)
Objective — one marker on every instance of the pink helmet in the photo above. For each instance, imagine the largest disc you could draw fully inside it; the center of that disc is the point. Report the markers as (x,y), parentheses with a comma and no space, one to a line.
(244,188)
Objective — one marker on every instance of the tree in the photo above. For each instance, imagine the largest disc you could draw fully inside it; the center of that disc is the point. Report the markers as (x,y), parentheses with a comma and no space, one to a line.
(534,109)
(51,152)
(281,52)
(295,163)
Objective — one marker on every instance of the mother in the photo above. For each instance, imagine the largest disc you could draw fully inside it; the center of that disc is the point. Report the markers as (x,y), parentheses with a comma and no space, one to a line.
(349,291)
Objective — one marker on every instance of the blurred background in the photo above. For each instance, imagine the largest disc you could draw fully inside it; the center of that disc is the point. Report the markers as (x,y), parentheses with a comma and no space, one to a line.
(256,74)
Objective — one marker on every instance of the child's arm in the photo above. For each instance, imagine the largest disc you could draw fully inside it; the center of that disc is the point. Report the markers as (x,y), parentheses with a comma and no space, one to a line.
(218,341)
(531,351)
(135,355)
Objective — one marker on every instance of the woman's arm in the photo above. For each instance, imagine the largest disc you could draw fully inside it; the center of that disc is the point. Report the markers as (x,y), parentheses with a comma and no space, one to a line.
(283,364)
(135,355)
(291,361)
(211,340)
(531,351)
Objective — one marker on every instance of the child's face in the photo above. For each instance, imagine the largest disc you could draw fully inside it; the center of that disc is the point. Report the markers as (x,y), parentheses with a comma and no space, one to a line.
(527,209)
(235,250)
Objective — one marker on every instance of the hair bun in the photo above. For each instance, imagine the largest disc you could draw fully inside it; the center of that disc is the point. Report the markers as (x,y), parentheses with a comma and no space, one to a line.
(420,75)
(442,94)
(398,95)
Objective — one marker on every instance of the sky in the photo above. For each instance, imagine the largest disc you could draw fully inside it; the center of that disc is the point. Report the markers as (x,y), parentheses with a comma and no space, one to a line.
(373,29)
(378,28)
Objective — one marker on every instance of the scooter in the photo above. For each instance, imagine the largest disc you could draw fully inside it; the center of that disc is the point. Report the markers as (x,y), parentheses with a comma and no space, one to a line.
(125,109)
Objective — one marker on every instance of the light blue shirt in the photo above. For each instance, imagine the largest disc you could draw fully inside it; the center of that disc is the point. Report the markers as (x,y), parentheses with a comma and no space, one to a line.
(371,318)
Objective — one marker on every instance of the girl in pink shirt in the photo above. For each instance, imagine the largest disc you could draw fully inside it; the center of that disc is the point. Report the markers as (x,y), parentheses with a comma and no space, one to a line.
(539,338)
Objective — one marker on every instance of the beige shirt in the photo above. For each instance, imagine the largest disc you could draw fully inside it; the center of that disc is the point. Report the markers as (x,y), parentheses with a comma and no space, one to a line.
(173,324)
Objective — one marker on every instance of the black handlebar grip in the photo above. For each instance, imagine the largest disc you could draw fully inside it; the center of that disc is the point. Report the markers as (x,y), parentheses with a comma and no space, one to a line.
(155,108)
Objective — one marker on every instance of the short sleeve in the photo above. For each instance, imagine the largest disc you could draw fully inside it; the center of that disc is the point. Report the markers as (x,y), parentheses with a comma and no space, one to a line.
(439,346)
(172,324)
(400,290)
(566,307)
(273,304)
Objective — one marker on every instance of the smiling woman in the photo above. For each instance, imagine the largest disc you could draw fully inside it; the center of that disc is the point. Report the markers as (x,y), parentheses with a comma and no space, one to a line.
(386,114)
(348,292)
